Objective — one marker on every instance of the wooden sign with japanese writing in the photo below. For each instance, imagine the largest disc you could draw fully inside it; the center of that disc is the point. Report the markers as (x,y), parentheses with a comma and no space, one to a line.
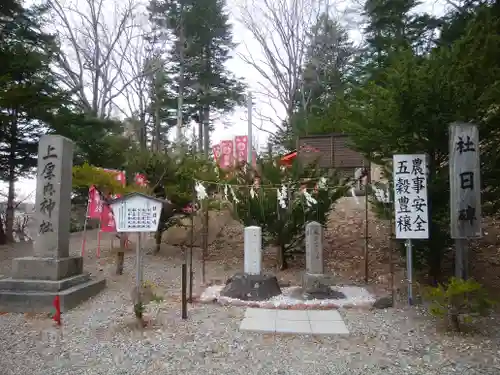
(410,196)
(465,181)
(137,213)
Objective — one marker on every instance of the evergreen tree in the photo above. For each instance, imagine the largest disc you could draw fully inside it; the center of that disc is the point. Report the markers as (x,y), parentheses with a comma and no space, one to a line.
(329,58)
(202,41)
(28,94)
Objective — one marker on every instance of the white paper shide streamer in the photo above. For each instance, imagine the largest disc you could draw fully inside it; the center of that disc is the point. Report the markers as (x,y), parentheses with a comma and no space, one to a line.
(201,192)
(235,199)
(310,201)
(282,196)
(322,183)
(382,195)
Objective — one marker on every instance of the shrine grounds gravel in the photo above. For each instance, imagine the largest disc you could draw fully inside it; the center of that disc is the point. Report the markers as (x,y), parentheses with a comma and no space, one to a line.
(209,342)
(99,337)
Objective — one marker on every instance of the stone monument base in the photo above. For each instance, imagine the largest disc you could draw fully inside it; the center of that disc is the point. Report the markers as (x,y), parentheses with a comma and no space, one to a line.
(33,285)
(247,287)
(311,281)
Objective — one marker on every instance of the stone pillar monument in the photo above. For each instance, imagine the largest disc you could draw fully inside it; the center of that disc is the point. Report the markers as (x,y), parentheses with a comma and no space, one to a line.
(51,271)
(253,250)
(314,276)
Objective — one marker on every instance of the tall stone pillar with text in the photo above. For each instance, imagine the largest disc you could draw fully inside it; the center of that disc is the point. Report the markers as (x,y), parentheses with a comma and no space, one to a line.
(315,277)
(52,270)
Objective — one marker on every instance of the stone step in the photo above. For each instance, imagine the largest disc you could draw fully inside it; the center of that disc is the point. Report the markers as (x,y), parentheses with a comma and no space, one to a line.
(20,285)
(42,301)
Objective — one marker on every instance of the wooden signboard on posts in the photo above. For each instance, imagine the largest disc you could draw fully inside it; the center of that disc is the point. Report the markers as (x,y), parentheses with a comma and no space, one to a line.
(465,181)
(465,192)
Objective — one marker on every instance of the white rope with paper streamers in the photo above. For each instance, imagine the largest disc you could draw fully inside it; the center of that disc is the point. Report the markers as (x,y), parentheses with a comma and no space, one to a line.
(252,193)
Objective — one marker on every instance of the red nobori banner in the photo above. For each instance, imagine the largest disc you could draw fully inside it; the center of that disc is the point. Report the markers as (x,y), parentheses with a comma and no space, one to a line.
(140,180)
(94,204)
(241,148)
(226,160)
(107,220)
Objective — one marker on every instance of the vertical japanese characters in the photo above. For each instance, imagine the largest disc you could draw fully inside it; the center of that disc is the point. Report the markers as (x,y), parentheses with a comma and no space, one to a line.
(465,189)
(466,212)
(410,196)
(48,202)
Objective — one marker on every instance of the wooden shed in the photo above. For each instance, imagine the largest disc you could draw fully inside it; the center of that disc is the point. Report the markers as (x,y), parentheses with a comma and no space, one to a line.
(332,151)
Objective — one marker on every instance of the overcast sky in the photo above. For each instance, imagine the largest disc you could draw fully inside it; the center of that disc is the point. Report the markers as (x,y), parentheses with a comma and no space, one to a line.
(237,121)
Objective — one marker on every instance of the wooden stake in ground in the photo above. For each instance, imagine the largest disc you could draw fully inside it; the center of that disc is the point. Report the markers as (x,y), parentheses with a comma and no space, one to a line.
(465,192)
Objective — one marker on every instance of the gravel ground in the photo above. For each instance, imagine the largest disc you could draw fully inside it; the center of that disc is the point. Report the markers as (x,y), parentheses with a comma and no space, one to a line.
(100,337)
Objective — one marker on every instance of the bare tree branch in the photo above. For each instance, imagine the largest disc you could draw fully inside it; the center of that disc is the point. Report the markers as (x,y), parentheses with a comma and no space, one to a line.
(98,38)
(281,28)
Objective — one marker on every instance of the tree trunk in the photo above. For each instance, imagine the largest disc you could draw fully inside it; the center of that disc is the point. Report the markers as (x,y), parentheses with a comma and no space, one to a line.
(454,321)
(158,236)
(120,255)
(3,238)
(282,264)
(200,131)
(9,213)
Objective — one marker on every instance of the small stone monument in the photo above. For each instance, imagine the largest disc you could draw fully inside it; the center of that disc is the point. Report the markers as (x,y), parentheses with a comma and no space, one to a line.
(253,250)
(315,283)
(51,271)
(252,285)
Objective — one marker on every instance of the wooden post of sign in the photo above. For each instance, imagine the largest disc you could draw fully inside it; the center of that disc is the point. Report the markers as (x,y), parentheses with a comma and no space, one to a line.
(465,192)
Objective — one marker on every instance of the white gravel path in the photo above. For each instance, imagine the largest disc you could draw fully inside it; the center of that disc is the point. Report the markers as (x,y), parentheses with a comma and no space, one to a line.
(98,339)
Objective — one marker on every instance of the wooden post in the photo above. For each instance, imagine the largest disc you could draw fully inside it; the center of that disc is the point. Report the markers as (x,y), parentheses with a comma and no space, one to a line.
(465,192)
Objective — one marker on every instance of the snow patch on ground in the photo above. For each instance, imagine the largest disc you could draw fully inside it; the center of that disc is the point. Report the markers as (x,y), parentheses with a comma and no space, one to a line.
(355,297)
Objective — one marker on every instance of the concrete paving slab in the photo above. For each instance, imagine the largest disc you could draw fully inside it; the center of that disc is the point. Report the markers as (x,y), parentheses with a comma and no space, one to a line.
(293,326)
(292,315)
(328,328)
(322,315)
(258,325)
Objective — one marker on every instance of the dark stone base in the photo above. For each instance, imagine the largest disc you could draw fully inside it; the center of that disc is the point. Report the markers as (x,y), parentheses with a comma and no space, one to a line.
(38,296)
(34,268)
(320,292)
(318,286)
(251,287)
(384,302)
(310,280)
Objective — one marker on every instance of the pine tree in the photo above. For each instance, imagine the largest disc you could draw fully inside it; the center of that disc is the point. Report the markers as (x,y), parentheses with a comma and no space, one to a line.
(28,94)
(329,57)
(202,41)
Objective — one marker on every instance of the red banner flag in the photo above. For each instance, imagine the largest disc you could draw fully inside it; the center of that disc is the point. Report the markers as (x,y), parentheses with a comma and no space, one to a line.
(226,154)
(140,180)
(119,175)
(107,220)
(95,203)
(57,314)
(241,148)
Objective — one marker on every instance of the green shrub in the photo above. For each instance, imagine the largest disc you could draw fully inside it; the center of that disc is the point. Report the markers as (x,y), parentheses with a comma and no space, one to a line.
(458,299)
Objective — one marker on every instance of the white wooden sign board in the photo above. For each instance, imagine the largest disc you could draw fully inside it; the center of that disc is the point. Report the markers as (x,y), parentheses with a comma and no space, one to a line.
(137,214)
(410,196)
